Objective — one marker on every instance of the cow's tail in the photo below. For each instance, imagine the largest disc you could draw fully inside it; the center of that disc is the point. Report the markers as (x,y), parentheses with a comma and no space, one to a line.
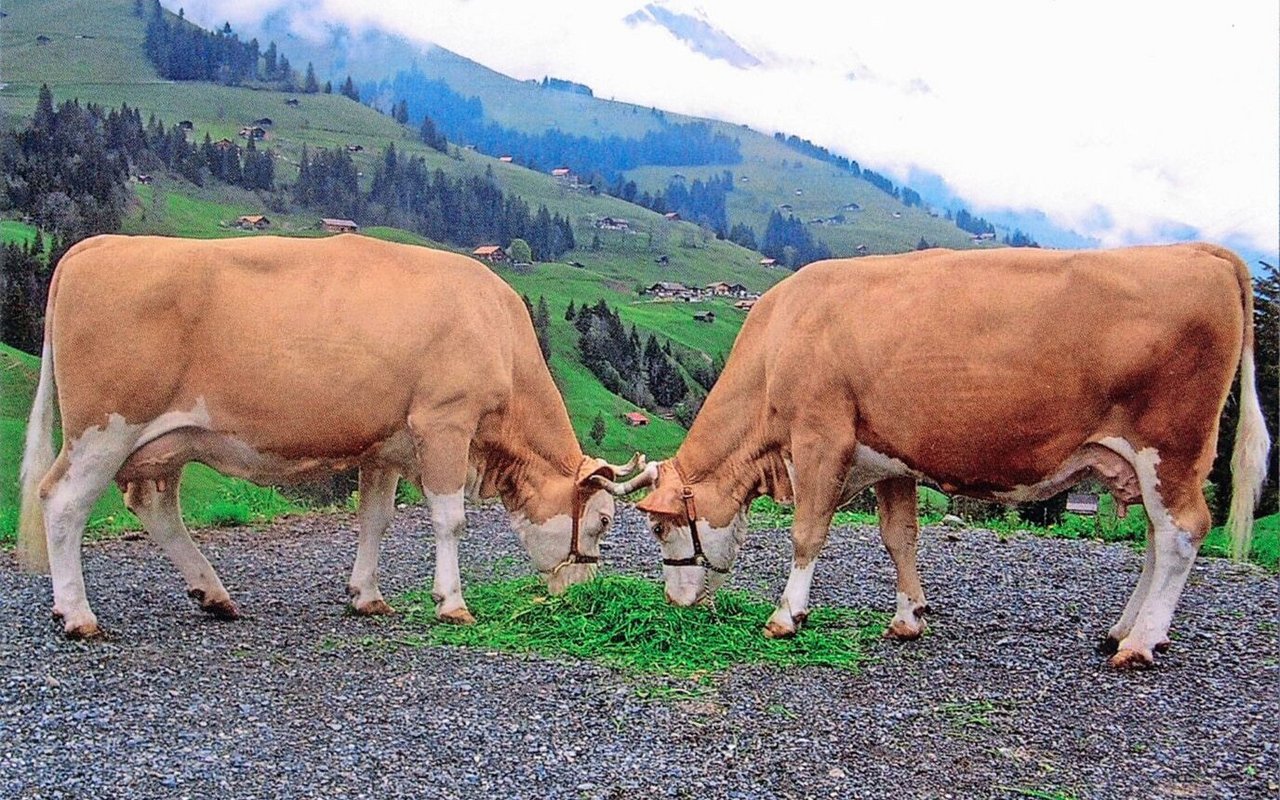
(1249,457)
(37,459)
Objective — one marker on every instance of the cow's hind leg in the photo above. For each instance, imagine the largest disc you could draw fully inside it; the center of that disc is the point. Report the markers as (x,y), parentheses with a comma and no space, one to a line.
(156,505)
(822,460)
(377,506)
(1179,520)
(899,528)
(82,472)
(1130,614)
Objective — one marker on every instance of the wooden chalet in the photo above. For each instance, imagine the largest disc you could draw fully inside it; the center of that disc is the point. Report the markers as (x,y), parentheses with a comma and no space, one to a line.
(339,225)
(489,252)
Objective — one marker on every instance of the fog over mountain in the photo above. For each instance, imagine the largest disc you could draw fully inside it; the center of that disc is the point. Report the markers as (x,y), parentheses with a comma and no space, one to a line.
(1137,122)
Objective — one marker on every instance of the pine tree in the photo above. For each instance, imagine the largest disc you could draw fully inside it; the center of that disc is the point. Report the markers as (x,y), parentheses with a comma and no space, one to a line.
(597,429)
(569,313)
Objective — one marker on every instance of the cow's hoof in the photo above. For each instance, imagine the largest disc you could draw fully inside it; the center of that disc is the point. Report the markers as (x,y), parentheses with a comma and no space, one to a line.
(373,608)
(225,609)
(458,616)
(1108,646)
(1131,659)
(84,632)
(904,631)
(776,630)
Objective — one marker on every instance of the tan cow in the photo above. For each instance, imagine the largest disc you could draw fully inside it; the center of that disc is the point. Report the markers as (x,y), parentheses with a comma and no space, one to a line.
(280,359)
(1007,375)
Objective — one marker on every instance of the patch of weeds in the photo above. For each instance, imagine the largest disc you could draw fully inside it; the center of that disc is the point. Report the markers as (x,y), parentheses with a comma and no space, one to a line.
(226,514)
(964,714)
(626,623)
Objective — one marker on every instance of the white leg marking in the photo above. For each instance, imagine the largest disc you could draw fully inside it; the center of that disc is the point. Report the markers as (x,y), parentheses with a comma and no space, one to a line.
(448,520)
(1171,552)
(94,458)
(1121,629)
(793,606)
(377,506)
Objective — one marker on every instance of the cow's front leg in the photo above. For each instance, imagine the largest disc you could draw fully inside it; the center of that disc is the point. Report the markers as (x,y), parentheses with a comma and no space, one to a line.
(442,444)
(899,529)
(377,506)
(448,520)
(822,459)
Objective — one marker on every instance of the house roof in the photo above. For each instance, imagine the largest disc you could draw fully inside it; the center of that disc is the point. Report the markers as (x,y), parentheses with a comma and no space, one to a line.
(636,417)
(342,223)
(486,250)
(254,219)
(668,286)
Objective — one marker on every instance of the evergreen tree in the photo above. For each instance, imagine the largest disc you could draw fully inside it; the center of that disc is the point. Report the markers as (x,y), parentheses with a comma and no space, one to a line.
(570,312)
(309,84)
(597,429)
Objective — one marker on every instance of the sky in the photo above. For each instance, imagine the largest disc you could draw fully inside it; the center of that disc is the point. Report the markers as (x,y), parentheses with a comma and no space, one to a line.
(1128,122)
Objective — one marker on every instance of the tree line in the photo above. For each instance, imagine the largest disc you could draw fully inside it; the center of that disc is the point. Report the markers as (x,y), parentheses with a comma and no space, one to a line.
(462,119)
(406,193)
(788,240)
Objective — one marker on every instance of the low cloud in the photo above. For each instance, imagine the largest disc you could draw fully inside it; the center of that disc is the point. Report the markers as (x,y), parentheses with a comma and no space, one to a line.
(1125,122)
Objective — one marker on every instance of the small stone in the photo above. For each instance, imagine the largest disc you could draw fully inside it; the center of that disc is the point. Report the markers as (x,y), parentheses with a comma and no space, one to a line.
(52,682)
(837,773)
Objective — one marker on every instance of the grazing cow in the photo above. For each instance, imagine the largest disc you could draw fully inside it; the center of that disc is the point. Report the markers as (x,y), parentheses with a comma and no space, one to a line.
(1006,375)
(281,359)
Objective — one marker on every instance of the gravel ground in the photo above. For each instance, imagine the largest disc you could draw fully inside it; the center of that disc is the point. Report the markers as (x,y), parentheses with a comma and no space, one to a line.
(1004,698)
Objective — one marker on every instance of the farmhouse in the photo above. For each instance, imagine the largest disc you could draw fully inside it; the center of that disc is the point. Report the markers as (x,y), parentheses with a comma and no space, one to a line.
(224,144)
(671,216)
(489,252)
(253,132)
(613,224)
(768,262)
(667,289)
(705,316)
(265,122)
(561,172)
(253,222)
(355,148)
(635,419)
(719,289)
(339,225)
(144,179)
(745,305)
(186,125)
(292,101)
(506,159)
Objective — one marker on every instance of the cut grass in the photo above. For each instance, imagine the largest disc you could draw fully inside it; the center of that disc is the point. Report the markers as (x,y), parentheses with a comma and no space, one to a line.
(624,622)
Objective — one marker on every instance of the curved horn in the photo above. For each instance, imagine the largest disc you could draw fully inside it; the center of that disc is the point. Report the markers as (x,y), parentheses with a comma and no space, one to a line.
(637,461)
(646,478)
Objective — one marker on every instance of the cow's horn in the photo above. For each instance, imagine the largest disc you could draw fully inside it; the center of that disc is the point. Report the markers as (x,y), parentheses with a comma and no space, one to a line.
(637,461)
(646,478)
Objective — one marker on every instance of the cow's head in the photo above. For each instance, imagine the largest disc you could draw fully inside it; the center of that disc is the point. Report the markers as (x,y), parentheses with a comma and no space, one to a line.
(698,528)
(563,552)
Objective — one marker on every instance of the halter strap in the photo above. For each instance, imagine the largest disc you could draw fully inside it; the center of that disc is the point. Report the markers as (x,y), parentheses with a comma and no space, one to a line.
(699,558)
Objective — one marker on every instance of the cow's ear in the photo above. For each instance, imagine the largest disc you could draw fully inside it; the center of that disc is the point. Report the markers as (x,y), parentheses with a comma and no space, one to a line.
(663,501)
(591,467)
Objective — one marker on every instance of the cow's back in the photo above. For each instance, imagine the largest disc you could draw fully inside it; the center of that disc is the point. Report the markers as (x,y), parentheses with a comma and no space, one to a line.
(954,360)
(283,339)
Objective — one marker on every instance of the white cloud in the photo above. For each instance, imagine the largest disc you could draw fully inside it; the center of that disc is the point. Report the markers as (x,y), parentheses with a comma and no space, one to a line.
(1160,114)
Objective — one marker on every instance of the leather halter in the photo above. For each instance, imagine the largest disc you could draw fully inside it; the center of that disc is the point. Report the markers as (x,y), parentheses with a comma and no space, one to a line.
(575,555)
(699,558)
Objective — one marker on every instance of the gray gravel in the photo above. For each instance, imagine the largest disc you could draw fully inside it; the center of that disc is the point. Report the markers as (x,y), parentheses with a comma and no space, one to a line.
(1004,698)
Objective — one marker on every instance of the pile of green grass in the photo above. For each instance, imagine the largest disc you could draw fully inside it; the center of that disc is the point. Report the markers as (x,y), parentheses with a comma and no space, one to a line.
(625,622)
